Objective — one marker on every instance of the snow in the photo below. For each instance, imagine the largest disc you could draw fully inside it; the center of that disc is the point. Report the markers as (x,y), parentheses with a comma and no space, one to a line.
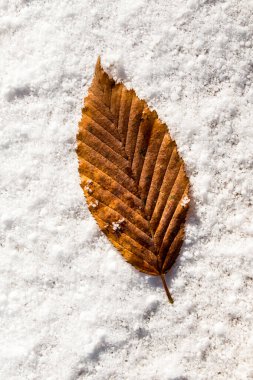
(185,201)
(70,307)
(117,226)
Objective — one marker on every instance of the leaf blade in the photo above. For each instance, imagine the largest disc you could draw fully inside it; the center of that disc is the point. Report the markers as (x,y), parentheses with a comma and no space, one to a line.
(132,175)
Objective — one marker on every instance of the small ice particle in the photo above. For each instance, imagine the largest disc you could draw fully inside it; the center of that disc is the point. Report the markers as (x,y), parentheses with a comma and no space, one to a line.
(94,204)
(185,200)
(88,189)
(219,329)
(116,226)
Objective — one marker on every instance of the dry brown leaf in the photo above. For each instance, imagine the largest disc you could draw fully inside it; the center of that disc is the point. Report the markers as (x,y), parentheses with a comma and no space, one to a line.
(132,176)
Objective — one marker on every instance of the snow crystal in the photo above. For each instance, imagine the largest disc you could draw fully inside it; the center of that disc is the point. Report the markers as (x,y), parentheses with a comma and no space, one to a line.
(185,201)
(219,329)
(93,204)
(117,226)
(88,189)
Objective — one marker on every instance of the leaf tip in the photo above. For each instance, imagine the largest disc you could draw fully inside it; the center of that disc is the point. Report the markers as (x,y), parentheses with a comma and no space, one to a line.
(98,64)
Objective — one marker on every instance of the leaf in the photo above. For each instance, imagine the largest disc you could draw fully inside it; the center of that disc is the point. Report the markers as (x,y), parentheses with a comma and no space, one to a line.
(132,176)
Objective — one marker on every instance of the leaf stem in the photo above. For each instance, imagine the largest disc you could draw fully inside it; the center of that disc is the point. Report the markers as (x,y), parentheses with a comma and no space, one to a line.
(162,275)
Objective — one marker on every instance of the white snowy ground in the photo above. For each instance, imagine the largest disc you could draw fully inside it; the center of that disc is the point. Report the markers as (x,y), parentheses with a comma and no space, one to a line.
(70,307)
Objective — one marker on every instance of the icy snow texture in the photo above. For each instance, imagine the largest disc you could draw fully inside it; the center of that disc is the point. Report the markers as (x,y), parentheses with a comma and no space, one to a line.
(71,308)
